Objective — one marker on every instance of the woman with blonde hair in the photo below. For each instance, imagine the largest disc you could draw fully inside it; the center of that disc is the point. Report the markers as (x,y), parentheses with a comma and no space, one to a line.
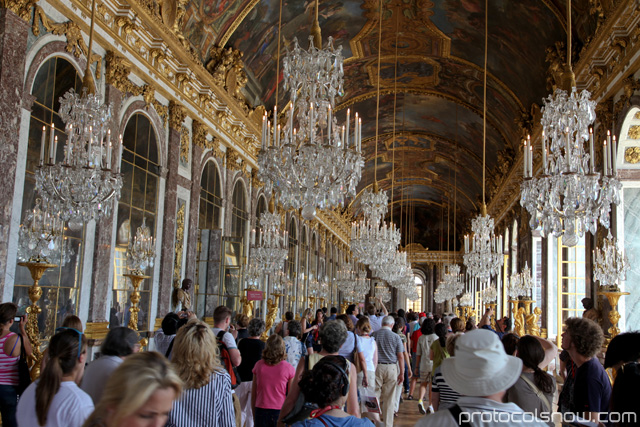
(55,399)
(271,379)
(206,399)
(140,392)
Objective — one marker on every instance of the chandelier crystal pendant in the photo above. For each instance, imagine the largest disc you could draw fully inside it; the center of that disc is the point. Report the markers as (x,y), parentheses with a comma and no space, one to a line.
(482,251)
(383,292)
(569,197)
(269,254)
(141,253)
(373,241)
(521,284)
(466,300)
(41,237)
(489,294)
(82,185)
(319,163)
(610,265)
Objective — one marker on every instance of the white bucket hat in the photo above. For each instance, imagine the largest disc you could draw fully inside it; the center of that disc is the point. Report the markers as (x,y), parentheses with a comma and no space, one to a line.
(480,366)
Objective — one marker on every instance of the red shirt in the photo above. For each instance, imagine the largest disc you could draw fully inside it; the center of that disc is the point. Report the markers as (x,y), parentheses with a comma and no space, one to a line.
(414,340)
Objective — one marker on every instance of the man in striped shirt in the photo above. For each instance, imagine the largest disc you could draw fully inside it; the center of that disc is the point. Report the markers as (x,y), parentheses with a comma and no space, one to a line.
(388,373)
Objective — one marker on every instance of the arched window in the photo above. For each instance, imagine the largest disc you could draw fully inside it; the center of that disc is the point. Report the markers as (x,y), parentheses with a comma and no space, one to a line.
(207,287)
(416,305)
(235,247)
(239,212)
(261,208)
(304,271)
(139,201)
(60,285)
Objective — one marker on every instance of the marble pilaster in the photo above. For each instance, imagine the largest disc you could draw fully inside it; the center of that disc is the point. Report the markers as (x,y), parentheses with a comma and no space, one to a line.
(176,117)
(102,277)
(194,205)
(13,47)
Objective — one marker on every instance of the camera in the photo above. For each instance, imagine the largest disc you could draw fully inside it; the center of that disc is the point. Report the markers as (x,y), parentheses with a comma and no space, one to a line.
(17,319)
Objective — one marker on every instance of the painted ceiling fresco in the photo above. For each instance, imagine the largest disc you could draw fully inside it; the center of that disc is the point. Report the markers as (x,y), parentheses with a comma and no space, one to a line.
(432,58)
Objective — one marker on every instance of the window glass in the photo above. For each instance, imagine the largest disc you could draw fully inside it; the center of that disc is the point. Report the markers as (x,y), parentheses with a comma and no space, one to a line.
(138,203)
(60,285)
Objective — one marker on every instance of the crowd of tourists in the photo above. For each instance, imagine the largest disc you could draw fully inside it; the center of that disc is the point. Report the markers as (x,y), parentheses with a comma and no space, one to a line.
(326,369)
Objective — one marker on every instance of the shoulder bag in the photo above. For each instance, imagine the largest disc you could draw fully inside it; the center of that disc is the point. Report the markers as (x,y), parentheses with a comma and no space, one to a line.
(540,394)
(24,376)
(356,356)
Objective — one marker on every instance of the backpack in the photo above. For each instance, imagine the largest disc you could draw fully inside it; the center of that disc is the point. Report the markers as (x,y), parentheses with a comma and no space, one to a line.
(225,359)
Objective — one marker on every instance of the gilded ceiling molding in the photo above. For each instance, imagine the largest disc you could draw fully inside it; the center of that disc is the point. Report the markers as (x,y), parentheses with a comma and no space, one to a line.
(478,111)
(254,179)
(70,30)
(222,41)
(634,132)
(492,79)
(232,159)
(177,114)
(154,44)
(413,17)
(22,8)
(199,131)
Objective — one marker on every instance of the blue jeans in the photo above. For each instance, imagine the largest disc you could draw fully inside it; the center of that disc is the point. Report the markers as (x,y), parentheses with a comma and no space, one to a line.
(8,405)
(266,417)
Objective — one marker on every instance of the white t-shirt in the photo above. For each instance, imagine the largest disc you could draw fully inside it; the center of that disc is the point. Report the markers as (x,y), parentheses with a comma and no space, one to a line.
(376,322)
(96,375)
(70,407)
(227,338)
(367,346)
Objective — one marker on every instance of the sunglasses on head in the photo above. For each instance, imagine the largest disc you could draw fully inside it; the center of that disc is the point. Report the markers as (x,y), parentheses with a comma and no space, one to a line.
(64,328)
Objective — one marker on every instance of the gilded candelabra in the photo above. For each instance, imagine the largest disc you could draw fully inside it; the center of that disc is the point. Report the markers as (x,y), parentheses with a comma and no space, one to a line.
(36,269)
(614,316)
(136,280)
(493,305)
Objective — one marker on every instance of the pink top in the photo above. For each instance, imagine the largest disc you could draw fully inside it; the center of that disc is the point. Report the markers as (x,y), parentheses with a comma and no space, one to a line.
(271,383)
(8,365)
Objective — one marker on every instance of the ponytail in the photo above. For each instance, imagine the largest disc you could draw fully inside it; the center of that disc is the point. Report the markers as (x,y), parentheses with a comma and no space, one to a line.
(532,354)
(64,348)
(542,380)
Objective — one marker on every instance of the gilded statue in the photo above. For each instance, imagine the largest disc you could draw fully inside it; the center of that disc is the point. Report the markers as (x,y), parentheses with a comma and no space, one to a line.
(247,306)
(519,322)
(532,322)
(180,297)
(272,312)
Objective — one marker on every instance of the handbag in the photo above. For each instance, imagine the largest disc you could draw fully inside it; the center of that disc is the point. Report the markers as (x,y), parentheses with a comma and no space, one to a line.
(356,356)
(24,376)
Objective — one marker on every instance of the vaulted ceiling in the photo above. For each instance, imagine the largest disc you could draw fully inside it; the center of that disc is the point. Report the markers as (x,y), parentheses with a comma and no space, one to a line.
(432,58)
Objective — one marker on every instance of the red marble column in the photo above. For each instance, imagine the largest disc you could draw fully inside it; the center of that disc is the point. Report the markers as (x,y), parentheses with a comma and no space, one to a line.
(13,49)
(177,114)
(103,253)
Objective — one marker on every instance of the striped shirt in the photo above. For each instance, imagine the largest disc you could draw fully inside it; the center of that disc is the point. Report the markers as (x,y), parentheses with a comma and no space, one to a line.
(210,405)
(389,345)
(448,396)
(8,365)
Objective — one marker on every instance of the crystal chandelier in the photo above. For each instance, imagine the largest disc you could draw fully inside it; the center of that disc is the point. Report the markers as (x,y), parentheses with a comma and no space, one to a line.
(319,163)
(273,247)
(483,256)
(41,237)
(489,294)
(521,284)
(141,253)
(280,282)
(82,185)
(569,197)
(384,293)
(610,264)
(482,252)
(466,300)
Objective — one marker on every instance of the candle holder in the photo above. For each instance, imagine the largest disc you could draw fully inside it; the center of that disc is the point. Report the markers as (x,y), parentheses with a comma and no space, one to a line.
(614,316)
(136,280)
(36,269)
